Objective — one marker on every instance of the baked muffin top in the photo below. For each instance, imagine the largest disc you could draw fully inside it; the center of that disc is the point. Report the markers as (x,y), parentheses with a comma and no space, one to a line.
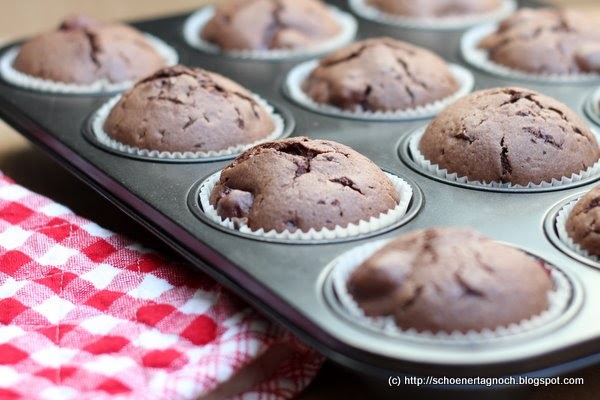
(84,50)
(380,74)
(435,8)
(180,109)
(546,41)
(450,279)
(269,24)
(583,223)
(510,135)
(301,183)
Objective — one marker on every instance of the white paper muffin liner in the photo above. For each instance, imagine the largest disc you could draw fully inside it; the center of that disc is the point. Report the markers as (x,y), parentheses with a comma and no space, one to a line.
(561,220)
(20,79)
(299,73)
(99,118)
(351,230)
(343,266)
(478,57)
(367,11)
(434,169)
(194,24)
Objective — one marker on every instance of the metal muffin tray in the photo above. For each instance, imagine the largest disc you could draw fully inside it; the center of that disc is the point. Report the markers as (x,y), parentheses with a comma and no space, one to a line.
(290,282)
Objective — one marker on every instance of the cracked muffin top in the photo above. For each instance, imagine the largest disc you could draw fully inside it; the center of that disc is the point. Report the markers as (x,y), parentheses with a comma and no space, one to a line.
(450,279)
(380,74)
(510,135)
(187,109)
(269,24)
(84,50)
(583,223)
(300,183)
(546,40)
(435,8)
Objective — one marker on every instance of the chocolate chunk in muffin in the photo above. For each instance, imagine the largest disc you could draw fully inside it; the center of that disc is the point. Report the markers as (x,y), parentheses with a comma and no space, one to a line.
(380,74)
(450,279)
(300,183)
(546,41)
(436,8)
(270,24)
(84,50)
(583,223)
(510,135)
(187,109)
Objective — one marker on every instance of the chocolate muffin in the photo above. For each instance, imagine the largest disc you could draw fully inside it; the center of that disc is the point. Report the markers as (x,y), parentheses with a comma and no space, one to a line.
(450,279)
(545,41)
(300,183)
(180,109)
(380,74)
(509,135)
(269,24)
(583,223)
(84,50)
(435,8)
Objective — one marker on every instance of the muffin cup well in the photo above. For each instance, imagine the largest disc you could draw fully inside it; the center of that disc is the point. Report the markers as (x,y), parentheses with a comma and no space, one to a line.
(295,78)
(478,58)
(102,138)
(592,106)
(367,11)
(434,170)
(196,21)
(559,300)
(364,227)
(561,230)
(20,79)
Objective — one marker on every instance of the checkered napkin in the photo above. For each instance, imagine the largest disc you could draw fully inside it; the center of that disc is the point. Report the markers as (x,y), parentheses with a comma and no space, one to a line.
(88,314)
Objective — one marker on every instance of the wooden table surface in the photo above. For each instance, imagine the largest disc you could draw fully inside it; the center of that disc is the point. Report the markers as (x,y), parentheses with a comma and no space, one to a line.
(23,162)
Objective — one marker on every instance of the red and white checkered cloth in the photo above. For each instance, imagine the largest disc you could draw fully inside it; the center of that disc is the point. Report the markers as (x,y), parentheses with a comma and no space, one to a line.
(88,314)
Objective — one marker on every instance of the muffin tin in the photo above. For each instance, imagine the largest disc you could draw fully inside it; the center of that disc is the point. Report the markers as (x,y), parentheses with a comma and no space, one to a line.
(290,281)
